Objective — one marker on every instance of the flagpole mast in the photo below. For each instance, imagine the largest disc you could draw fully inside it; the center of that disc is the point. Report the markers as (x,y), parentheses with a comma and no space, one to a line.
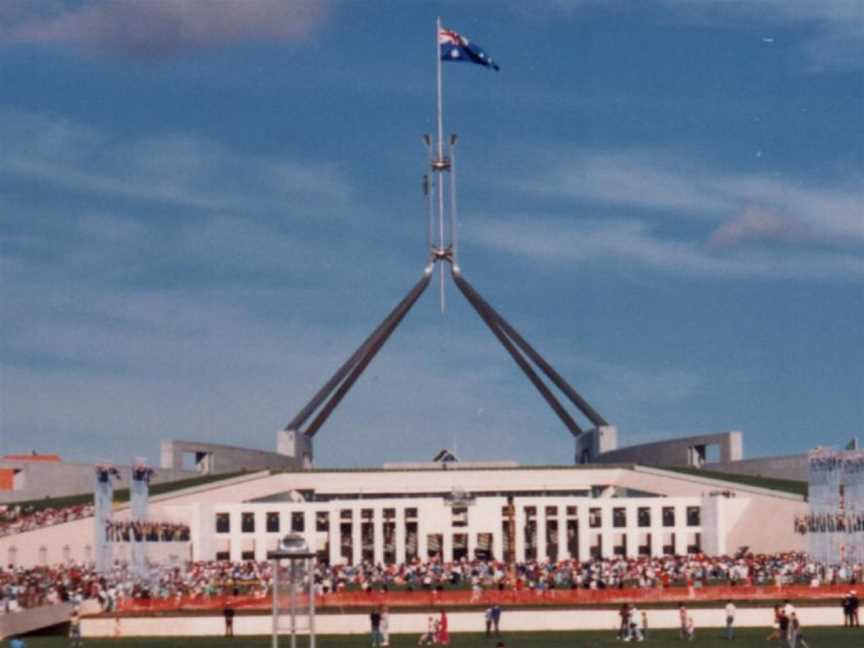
(439,166)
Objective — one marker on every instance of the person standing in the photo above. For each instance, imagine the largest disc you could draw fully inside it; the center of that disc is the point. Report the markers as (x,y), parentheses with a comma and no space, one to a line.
(375,622)
(682,621)
(496,619)
(385,626)
(443,632)
(854,604)
(730,620)
(847,610)
(487,617)
(228,613)
(75,629)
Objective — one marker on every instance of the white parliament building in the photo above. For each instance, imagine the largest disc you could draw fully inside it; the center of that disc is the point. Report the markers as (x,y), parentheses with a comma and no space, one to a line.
(449,510)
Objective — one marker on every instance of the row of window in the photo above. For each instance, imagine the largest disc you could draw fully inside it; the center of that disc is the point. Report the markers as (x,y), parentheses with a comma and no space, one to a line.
(459,517)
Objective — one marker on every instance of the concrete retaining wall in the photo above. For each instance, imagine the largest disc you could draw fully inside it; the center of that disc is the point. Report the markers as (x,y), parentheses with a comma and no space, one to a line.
(415,623)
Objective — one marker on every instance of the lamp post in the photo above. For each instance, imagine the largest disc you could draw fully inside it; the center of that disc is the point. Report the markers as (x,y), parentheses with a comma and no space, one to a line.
(294,549)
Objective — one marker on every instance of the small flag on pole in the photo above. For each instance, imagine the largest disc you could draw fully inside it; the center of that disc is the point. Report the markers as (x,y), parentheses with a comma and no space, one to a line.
(455,47)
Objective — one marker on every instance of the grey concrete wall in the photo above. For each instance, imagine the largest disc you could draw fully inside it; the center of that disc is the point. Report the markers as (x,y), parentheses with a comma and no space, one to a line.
(789,467)
(47,479)
(219,459)
(675,452)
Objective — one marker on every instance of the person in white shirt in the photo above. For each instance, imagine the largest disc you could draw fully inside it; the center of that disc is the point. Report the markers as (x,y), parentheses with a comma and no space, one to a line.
(730,620)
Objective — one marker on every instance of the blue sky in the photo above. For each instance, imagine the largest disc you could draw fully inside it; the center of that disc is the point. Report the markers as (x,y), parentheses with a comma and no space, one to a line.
(207,206)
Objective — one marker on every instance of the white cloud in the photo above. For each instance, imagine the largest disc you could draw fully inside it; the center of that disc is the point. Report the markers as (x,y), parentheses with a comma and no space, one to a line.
(159,29)
(638,244)
(173,169)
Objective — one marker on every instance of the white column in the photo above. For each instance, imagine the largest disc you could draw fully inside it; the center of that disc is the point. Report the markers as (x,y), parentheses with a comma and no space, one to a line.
(335,538)
(447,544)
(235,535)
(519,535)
(584,533)
(400,534)
(680,530)
(378,530)
(260,535)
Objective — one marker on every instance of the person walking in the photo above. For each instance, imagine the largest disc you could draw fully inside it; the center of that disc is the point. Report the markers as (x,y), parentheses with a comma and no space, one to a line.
(487,617)
(796,638)
(730,620)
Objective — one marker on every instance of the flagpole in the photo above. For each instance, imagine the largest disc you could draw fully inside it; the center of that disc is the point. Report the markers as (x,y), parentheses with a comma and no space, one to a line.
(440,150)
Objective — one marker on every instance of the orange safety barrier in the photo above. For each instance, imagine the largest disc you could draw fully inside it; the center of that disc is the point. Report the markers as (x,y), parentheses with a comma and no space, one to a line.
(520,598)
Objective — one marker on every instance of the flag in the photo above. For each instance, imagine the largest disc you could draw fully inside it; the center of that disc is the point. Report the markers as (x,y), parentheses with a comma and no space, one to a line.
(455,47)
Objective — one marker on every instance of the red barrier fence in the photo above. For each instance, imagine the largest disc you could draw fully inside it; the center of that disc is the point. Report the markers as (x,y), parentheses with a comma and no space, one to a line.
(521,598)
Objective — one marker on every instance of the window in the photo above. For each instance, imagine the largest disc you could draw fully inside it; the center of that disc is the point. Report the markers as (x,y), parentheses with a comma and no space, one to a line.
(389,514)
(595,518)
(668,516)
(411,513)
(223,523)
(551,511)
(619,517)
(247,523)
(345,514)
(459,516)
(530,511)
(367,514)
(298,522)
(273,522)
(67,554)
(643,516)
(694,515)
(571,511)
(322,521)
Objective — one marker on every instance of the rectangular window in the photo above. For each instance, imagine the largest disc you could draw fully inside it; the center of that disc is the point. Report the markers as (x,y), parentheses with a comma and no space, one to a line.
(643,516)
(619,517)
(247,523)
(389,514)
(668,516)
(345,514)
(595,518)
(551,511)
(322,521)
(273,522)
(411,513)
(367,514)
(459,516)
(298,522)
(571,511)
(694,516)
(530,511)
(223,523)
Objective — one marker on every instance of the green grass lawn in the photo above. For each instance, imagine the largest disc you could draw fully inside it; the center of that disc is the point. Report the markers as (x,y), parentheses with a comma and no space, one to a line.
(707,638)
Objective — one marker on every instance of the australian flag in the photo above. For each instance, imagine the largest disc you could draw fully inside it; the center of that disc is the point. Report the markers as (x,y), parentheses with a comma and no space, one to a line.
(455,47)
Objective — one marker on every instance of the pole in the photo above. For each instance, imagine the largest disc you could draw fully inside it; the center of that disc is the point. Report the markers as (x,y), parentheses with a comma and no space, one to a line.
(440,151)
(275,643)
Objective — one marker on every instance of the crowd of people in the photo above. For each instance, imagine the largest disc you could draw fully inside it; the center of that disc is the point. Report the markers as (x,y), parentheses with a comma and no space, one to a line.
(829,523)
(17,518)
(21,587)
(127,531)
